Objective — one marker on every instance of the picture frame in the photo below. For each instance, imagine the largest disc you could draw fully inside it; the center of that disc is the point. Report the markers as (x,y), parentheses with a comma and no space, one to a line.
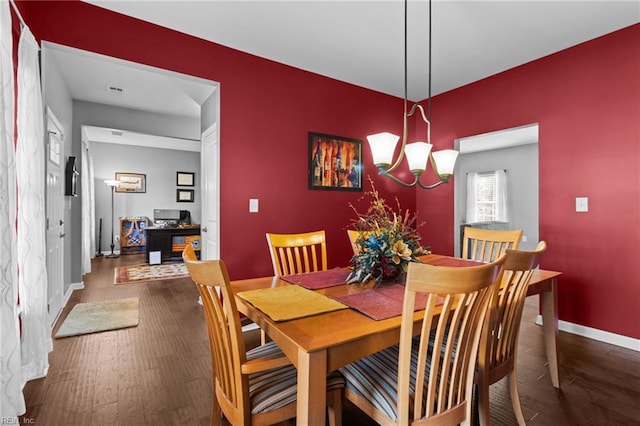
(335,162)
(131,182)
(184,195)
(185,178)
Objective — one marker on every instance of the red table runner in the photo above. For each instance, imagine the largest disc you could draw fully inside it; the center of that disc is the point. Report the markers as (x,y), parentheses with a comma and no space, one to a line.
(377,303)
(381,303)
(320,279)
(452,261)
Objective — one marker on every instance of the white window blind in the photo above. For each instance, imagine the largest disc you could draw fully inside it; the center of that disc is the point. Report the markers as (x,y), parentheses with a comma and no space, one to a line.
(487,197)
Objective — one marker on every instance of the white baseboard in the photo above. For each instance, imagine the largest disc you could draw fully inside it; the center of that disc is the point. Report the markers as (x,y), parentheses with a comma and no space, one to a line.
(70,290)
(595,334)
(67,296)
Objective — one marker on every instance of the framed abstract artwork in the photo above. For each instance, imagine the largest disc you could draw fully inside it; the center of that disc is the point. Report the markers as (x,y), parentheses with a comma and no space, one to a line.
(334,162)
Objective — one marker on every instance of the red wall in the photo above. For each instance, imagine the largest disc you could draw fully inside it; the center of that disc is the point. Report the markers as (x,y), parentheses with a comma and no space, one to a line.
(267,109)
(586,100)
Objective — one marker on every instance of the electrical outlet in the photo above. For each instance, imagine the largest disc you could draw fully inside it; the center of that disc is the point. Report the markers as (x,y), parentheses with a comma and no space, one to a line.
(253,205)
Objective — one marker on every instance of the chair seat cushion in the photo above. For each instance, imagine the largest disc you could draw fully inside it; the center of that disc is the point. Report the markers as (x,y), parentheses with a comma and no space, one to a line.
(272,389)
(375,378)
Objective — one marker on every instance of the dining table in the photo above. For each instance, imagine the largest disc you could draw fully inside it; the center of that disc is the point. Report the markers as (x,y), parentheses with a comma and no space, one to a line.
(323,342)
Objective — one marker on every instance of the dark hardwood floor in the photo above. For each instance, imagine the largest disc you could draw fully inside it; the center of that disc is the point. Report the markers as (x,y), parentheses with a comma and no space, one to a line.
(158,373)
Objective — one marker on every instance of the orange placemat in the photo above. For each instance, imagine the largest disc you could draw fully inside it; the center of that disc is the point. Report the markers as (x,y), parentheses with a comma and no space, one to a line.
(290,302)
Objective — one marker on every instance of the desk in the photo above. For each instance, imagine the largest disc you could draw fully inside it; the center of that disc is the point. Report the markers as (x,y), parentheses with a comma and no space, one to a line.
(163,239)
(323,343)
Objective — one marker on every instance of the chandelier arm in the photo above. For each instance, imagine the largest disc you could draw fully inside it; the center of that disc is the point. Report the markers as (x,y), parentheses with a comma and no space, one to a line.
(424,118)
(428,119)
(421,185)
(404,143)
(385,173)
(396,164)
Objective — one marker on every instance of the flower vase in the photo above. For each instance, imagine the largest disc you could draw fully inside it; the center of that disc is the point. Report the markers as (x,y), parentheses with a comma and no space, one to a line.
(392,275)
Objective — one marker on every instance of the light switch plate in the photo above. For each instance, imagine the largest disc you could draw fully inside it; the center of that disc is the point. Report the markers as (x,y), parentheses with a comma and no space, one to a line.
(253,205)
(582,204)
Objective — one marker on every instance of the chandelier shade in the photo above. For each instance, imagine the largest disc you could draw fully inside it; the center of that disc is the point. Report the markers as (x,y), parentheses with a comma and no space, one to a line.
(417,155)
(383,145)
(444,162)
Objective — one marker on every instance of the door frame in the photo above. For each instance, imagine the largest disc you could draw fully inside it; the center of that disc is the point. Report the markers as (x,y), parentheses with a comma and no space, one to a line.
(208,188)
(55,309)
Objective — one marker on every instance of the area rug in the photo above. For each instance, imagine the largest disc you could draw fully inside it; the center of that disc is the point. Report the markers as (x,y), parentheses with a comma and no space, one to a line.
(144,272)
(93,317)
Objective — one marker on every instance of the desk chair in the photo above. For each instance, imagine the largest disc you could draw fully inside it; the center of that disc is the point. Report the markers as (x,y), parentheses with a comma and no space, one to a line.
(255,387)
(486,245)
(298,253)
(499,341)
(385,385)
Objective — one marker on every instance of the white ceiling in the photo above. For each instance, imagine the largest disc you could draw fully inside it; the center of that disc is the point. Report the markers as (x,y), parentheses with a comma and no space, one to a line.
(90,76)
(361,41)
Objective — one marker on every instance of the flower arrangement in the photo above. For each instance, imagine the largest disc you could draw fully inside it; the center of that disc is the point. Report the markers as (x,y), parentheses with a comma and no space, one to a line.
(388,240)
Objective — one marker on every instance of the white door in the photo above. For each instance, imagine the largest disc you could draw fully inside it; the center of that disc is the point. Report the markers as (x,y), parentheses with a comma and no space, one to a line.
(210,184)
(55,216)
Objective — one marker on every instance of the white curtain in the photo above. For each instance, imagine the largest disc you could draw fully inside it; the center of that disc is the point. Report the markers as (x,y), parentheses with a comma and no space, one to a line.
(474,181)
(502,212)
(472,198)
(88,208)
(11,399)
(32,253)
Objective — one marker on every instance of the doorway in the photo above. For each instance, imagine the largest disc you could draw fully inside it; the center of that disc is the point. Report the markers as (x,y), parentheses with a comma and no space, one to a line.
(85,88)
(515,151)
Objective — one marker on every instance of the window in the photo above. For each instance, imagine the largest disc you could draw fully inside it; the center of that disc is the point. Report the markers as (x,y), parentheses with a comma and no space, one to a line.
(487,197)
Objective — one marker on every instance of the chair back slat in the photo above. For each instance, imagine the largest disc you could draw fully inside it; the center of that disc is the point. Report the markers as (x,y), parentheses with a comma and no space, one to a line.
(225,333)
(486,245)
(298,253)
(499,340)
(501,329)
(457,301)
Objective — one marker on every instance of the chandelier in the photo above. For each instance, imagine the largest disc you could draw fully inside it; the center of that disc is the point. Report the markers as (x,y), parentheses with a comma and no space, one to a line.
(383,145)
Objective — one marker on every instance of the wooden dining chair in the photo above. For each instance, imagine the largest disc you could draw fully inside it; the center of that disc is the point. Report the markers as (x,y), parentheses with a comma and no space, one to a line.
(486,245)
(499,340)
(255,387)
(418,382)
(298,253)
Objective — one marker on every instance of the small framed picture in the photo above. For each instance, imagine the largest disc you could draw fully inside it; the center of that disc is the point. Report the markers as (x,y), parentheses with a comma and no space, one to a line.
(335,162)
(131,182)
(185,178)
(184,195)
